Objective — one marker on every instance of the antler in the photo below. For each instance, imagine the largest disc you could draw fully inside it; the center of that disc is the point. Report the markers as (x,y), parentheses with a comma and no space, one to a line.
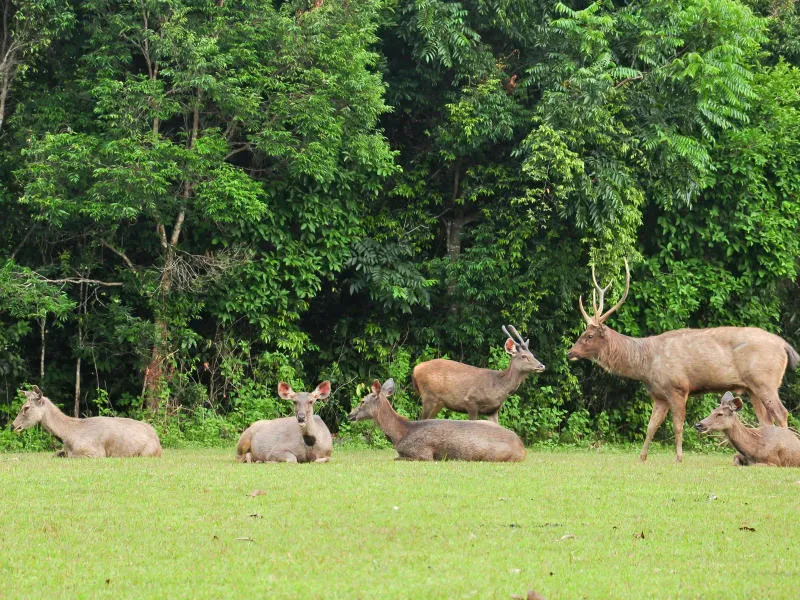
(600,317)
(516,337)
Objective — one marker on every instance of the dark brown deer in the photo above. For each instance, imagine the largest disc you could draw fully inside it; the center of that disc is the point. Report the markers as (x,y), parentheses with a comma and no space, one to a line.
(298,439)
(437,439)
(95,437)
(476,391)
(676,364)
(766,445)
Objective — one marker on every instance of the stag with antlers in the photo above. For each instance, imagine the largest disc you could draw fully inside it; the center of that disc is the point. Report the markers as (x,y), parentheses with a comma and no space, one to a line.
(679,363)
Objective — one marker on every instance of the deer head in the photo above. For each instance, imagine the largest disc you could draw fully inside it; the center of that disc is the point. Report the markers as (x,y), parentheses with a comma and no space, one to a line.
(592,341)
(32,411)
(521,356)
(304,401)
(722,417)
(368,407)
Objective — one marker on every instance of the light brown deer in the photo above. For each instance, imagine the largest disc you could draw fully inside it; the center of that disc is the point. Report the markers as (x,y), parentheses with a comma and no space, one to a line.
(678,363)
(95,437)
(437,439)
(476,391)
(298,439)
(765,445)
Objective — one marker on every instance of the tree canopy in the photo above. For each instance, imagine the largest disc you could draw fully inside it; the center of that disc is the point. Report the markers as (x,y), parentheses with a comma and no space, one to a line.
(204,198)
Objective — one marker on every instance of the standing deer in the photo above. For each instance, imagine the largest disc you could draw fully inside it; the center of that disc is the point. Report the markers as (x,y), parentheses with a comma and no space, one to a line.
(298,439)
(95,437)
(437,439)
(678,363)
(766,445)
(473,390)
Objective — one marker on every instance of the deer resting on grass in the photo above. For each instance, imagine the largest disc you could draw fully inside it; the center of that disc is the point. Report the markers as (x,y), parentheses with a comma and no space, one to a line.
(95,437)
(476,391)
(437,439)
(678,363)
(298,439)
(765,445)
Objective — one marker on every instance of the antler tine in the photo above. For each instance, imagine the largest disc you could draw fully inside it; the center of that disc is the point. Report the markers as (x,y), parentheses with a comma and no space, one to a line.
(611,310)
(586,317)
(522,343)
(602,292)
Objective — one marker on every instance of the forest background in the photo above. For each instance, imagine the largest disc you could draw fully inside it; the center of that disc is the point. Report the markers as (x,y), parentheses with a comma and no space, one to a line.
(204,198)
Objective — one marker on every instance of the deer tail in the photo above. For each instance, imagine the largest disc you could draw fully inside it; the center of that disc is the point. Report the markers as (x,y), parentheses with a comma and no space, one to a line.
(414,383)
(794,357)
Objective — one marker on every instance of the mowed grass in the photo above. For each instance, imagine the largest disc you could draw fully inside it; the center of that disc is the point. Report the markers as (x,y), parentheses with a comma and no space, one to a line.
(568,524)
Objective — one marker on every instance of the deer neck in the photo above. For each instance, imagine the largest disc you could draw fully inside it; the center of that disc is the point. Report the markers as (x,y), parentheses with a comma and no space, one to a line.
(510,379)
(744,439)
(56,422)
(309,432)
(625,356)
(394,426)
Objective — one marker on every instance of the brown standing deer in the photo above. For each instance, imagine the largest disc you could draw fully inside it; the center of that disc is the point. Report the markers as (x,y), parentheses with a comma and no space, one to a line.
(476,391)
(678,363)
(766,445)
(301,438)
(95,437)
(437,439)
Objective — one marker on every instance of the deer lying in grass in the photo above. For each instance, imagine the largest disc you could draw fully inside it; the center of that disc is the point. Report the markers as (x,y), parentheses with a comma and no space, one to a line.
(437,439)
(298,439)
(678,363)
(476,391)
(95,437)
(767,445)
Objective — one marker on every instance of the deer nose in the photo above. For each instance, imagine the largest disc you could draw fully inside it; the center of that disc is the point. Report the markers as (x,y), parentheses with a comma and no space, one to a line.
(301,418)
(700,427)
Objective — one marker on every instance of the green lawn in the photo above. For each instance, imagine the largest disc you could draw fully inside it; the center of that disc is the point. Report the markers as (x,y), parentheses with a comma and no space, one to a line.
(569,524)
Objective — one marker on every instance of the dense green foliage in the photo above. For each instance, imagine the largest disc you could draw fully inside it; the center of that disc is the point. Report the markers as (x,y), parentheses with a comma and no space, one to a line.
(203,198)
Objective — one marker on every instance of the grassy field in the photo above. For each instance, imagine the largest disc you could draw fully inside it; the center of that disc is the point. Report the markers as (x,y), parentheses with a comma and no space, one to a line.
(568,524)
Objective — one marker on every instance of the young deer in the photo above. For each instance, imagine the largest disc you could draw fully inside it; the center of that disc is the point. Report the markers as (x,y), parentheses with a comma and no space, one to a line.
(95,437)
(301,438)
(476,391)
(437,439)
(676,364)
(767,445)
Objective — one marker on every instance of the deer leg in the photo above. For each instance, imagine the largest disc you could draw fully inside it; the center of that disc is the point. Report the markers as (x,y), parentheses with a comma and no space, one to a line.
(660,409)
(430,410)
(776,411)
(323,459)
(493,417)
(762,413)
(678,417)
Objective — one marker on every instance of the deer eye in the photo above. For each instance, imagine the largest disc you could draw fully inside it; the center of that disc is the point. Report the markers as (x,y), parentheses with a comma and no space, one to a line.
(590,336)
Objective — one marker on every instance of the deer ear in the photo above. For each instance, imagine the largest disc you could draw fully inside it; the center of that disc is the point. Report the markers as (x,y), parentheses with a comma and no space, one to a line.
(737,403)
(376,387)
(285,391)
(511,346)
(37,391)
(323,391)
(388,387)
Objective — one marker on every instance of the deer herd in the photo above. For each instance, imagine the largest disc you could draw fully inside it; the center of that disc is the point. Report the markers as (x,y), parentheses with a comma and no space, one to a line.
(672,365)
